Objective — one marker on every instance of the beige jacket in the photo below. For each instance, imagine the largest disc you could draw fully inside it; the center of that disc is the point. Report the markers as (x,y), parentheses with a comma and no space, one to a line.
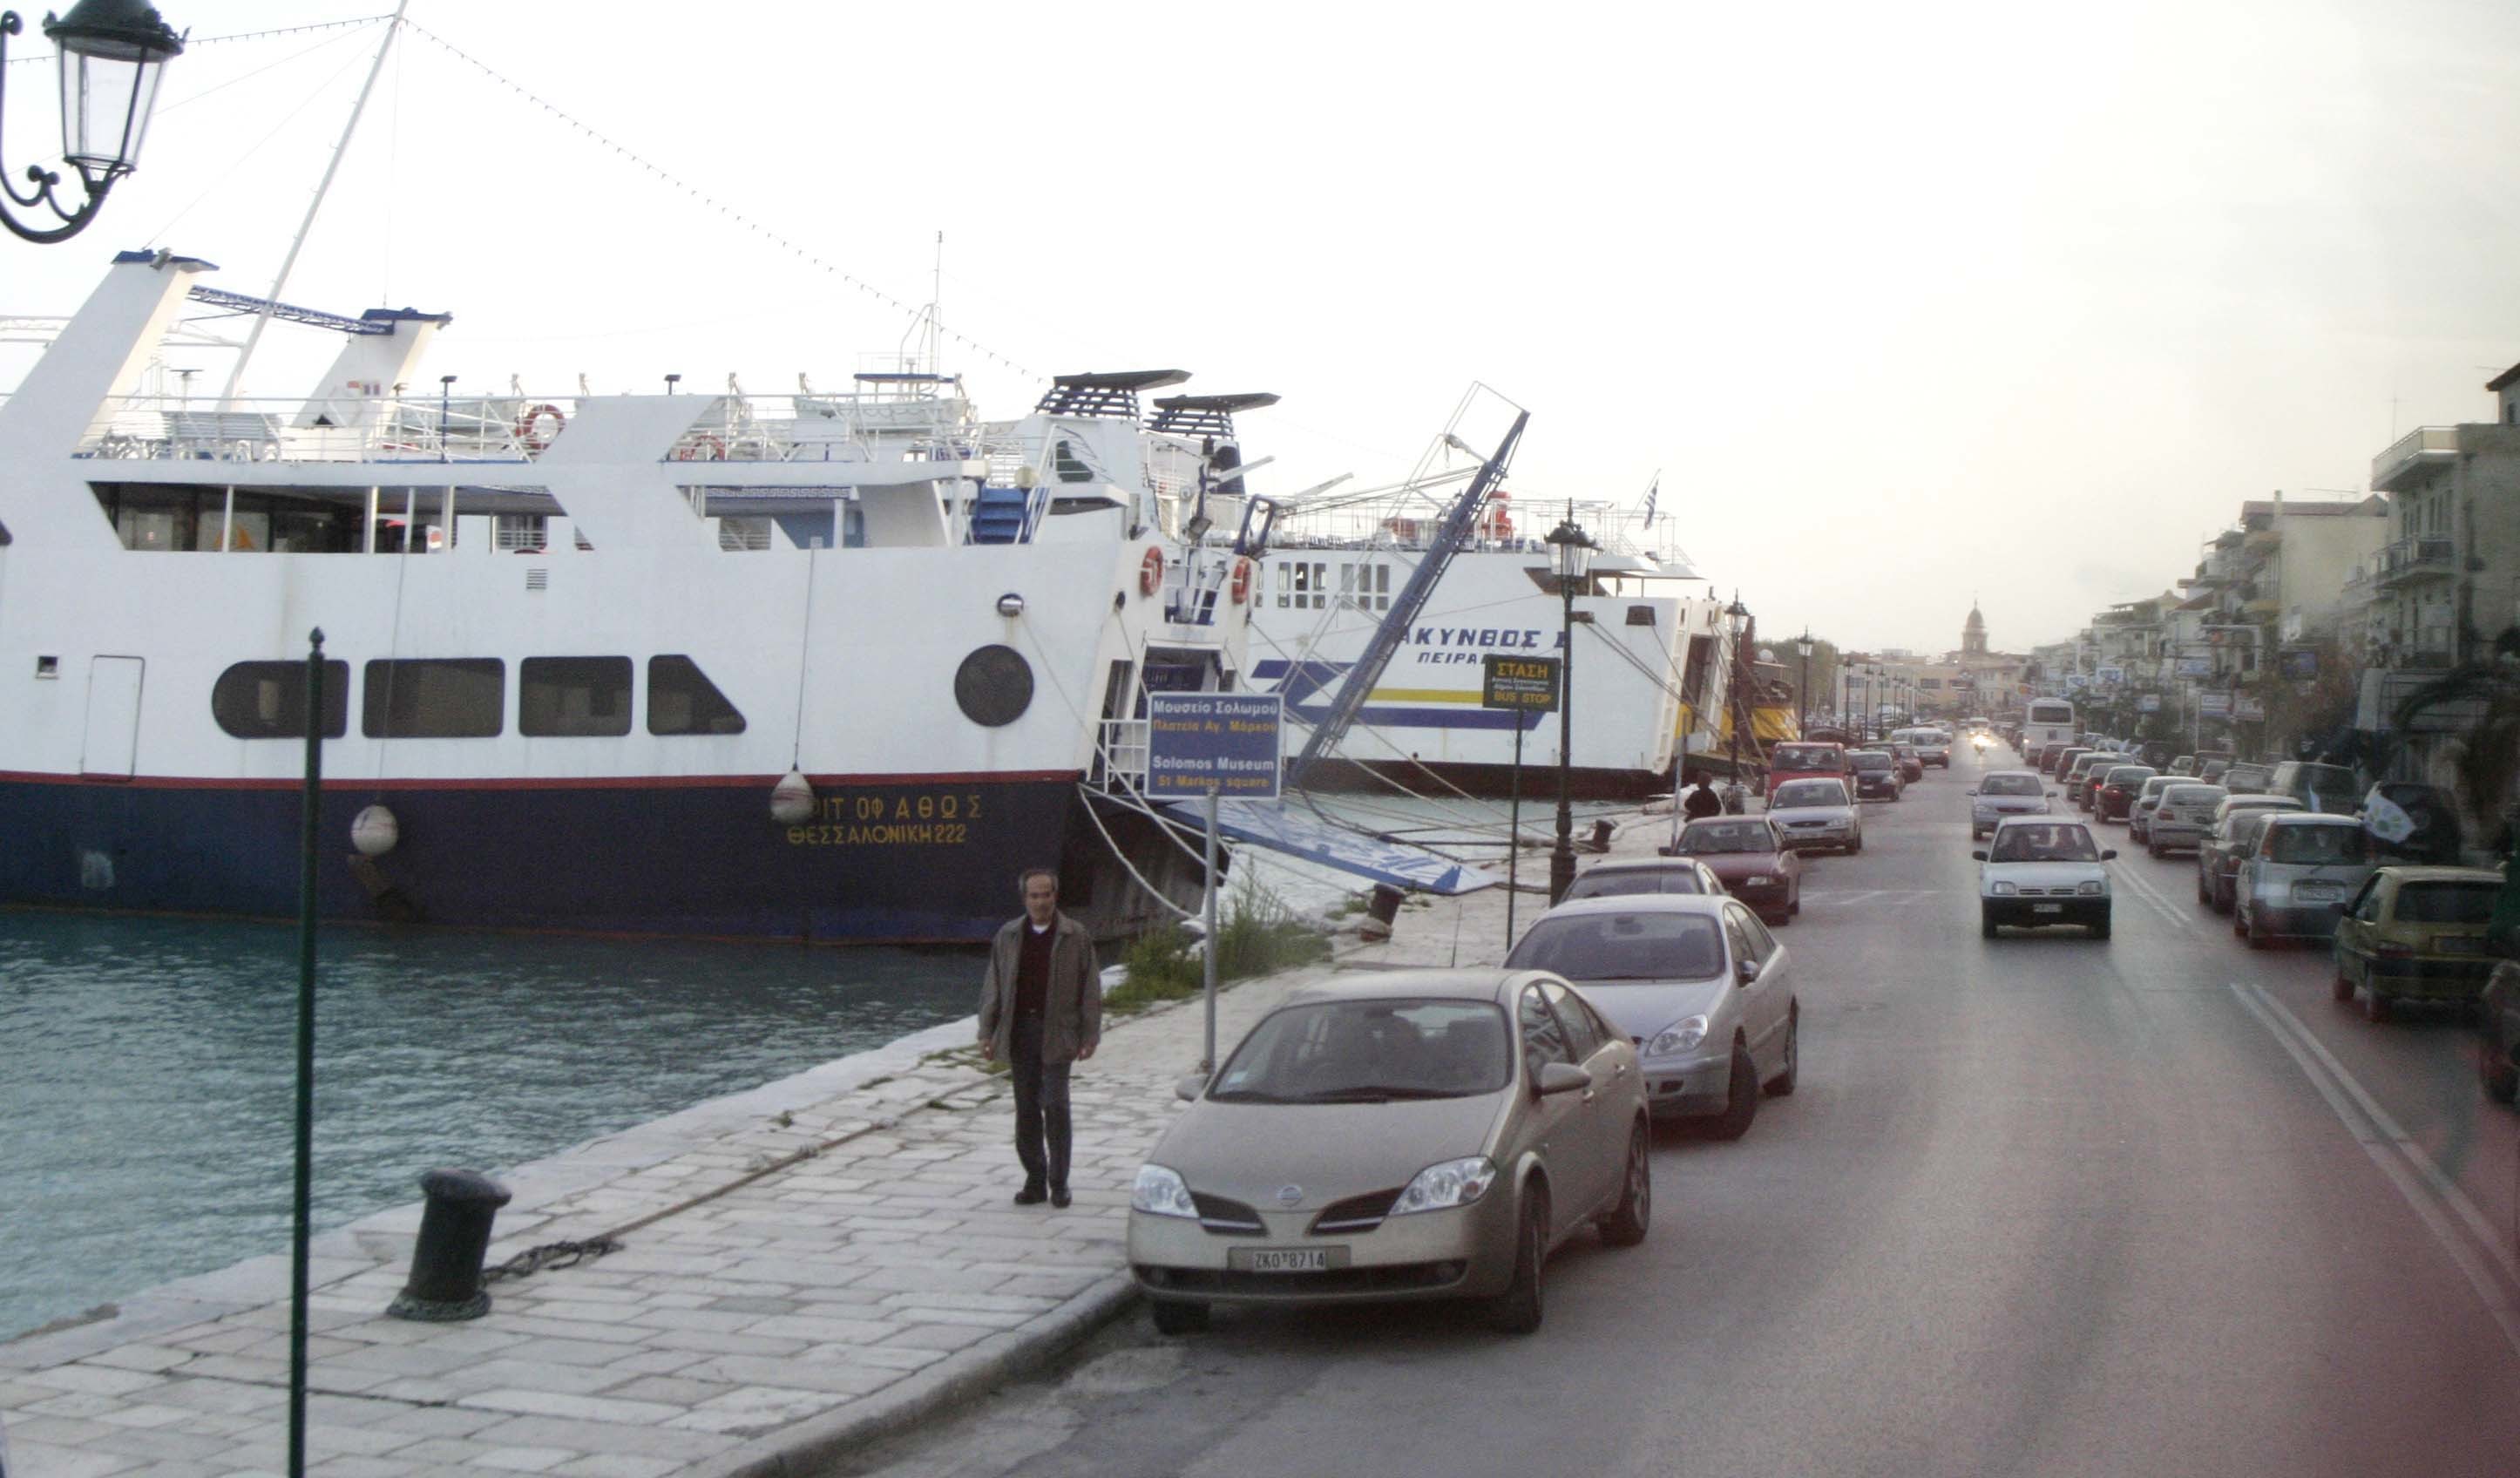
(1072,1005)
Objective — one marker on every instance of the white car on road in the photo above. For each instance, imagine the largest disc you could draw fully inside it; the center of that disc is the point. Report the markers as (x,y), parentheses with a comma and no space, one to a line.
(1817,813)
(2041,871)
(2002,793)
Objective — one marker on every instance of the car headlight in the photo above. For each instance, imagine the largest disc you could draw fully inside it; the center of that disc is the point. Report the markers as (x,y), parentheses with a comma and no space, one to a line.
(2002,890)
(1441,1187)
(2092,889)
(1756,880)
(1679,1037)
(1161,1192)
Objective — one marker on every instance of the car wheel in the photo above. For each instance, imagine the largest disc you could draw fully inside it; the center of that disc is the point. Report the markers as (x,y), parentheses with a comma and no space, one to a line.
(2375,1006)
(2254,933)
(1625,1226)
(2202,896)
(1985,922)
(1516,1311)
(1175,1316)
(2099,931)
(2154,850)
(1741,1097)
(2342,987)
(2224,901)
(2494,1070)
(1858,847)
(1782,1086)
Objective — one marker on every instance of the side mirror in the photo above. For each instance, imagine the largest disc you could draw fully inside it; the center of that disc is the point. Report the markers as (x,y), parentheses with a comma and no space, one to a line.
(1747,969)
(1980,855)
(1561,1078)
(1968,793)
(1189,1086)
(2109,854)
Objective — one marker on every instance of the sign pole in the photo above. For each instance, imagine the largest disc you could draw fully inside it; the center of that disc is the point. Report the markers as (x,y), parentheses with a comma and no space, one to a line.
(1513,833)
(1207,905)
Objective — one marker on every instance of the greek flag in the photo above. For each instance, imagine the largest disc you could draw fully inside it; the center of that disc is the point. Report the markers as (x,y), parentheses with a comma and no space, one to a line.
(1650,492)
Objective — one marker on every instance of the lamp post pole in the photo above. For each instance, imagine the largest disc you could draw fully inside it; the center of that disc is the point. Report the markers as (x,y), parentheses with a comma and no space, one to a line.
(1571,548)
(1802,690)
(1736,616)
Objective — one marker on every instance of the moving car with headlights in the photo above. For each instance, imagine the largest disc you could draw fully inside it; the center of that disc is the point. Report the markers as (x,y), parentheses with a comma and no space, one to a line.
(1660,875)
(1751,855)
(2041,871)
(2304,865)
(2416,934)
(2140,815)
(1701,984)
(2183,817)
(2113,790)
(1812,814)
(2007,792)
(1877,775)
(1432,1134)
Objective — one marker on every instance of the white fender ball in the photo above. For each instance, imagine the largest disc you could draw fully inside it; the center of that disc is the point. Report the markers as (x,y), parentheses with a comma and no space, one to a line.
(375,831)
(791,800)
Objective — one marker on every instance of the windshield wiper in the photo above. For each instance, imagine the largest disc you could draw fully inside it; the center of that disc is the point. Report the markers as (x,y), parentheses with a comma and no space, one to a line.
(1247,1095)
(1375,1093)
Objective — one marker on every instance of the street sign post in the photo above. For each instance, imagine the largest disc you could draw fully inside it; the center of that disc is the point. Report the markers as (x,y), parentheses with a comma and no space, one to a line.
(1520,686)
(1206,745)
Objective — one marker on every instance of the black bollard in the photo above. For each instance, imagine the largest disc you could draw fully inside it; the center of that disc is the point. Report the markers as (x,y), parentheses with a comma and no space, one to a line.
(1602,831)
(1379,910)
(445,1283)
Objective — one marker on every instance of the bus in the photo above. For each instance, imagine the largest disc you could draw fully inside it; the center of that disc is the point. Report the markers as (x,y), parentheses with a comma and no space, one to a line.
(2044,722)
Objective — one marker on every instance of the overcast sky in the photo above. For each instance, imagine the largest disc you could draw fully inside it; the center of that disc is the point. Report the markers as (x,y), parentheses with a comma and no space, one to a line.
(1907,303)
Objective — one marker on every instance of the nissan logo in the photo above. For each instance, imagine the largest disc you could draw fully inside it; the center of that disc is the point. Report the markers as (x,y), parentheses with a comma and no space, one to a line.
(1289,1197)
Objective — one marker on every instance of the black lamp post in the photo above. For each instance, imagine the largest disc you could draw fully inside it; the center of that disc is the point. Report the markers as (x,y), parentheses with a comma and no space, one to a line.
(113,54)
(1736,619)
(1570,552)
(1802,690)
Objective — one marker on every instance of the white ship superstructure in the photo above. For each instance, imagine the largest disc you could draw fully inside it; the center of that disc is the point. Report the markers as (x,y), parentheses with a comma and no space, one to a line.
(574,641)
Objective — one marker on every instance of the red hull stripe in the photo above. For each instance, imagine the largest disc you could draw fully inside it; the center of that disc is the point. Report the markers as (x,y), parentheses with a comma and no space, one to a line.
(553,782)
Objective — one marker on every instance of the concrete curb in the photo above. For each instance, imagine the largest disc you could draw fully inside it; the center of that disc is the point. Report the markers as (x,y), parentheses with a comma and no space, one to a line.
(809,1447)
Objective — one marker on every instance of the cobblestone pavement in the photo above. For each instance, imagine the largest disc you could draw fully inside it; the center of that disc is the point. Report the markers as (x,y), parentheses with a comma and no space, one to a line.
(801,1279)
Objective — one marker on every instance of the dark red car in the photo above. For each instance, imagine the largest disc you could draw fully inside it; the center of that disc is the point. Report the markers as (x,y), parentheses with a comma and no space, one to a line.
(2117,791)
(1753,860)
(1801,759)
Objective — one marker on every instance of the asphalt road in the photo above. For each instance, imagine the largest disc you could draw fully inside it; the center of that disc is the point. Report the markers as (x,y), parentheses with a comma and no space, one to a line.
(2043,1205)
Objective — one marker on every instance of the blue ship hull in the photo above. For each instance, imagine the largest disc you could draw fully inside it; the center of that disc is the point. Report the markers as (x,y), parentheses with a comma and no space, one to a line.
(929,858)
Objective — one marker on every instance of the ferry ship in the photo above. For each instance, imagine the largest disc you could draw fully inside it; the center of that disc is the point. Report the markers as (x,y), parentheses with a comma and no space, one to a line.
(1649,655)
(818,667)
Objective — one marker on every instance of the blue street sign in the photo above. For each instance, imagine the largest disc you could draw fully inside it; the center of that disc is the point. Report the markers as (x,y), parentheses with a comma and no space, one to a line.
(1221,741)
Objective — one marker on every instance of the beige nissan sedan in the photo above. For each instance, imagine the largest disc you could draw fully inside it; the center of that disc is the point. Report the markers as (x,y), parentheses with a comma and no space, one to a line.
(1428,1134)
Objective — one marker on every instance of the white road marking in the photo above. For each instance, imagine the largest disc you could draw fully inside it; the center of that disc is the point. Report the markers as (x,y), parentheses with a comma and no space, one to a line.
(2420,1182)
(2161,904)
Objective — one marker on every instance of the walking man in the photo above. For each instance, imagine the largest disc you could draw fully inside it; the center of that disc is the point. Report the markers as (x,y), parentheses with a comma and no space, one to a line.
(1700,800)
(1041,1012)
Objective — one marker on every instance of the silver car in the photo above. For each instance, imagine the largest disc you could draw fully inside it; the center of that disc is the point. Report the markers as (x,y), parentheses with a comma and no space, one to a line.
(2304,864)
(2184,813)
(2002,793)
(1432,1134)
(1816,813)
(1700,985)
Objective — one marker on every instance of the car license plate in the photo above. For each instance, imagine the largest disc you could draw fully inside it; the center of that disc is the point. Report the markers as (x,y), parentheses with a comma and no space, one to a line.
(2318,891)
(1285,1259)
(2047,908)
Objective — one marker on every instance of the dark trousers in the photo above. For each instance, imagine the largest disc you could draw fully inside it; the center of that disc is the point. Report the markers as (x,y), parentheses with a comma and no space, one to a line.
(1043,1135)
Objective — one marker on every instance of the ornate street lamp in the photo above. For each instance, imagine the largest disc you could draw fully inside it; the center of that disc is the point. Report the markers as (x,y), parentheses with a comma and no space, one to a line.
(1736,617)
(1570,552)
(113,54)
(1802,690)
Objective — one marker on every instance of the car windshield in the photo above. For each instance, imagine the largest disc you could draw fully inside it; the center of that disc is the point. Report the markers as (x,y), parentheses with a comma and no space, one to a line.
(2043,841)
(1349,1051)
(2447,902)
(2332,782)
(1810,793)
(2190,795)
(2318,845)
(1606,947)
(2008,785)
(1622,882)
(1870,759)
(2131,774)
(2246,777)
(1708,838)
(1803,758)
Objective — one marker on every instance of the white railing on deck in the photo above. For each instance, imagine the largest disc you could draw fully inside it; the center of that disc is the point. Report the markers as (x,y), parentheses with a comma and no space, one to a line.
(1123,755)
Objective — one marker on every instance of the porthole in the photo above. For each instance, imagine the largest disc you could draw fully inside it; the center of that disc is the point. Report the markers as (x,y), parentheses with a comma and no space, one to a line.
(994,685)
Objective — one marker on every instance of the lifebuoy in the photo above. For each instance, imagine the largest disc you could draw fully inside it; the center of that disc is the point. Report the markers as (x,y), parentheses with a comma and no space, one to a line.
(702,448)
(1241,586)
(1151,571)
(527,433)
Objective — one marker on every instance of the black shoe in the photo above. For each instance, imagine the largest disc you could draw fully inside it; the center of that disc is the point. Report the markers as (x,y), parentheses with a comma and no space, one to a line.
(1031,1196)
(1058,1196)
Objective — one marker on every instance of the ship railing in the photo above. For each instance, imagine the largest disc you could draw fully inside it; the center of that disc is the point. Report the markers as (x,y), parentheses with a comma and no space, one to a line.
(1120,754)
(1194,586)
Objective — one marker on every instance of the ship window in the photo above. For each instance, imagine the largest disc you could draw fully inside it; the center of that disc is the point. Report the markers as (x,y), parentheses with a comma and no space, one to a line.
(268,699)
(573,697)
(519,531)
(1382,587)
(435,698)
(1286,576)
(681,699)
